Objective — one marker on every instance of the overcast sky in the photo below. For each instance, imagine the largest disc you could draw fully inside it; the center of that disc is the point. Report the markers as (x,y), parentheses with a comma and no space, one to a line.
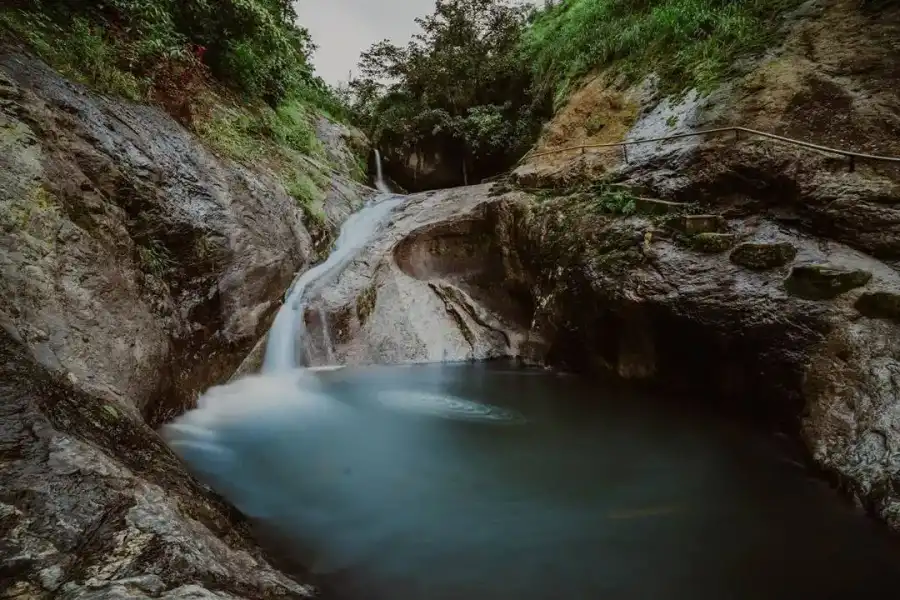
(344,28)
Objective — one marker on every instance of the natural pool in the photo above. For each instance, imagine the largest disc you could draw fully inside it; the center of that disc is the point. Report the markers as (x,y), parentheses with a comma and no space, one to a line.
(490,482)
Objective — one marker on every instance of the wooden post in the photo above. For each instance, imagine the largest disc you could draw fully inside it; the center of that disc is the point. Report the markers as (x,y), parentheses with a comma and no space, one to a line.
(625,152)
(852,163)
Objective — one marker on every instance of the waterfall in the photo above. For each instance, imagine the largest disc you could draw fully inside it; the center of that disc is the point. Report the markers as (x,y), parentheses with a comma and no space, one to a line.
(289,326)
(379,175)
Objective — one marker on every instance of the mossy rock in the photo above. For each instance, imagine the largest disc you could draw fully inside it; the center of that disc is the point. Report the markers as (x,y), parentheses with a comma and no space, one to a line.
(879,305)
(365,303)
(712,243)
(759,256)
(824,281)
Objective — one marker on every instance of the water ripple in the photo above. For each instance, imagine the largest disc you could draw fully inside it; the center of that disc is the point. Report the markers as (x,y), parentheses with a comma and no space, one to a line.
(447,407)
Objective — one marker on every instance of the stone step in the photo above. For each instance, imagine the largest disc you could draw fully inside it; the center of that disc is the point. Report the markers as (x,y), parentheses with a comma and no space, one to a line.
(697,224)
(654,206)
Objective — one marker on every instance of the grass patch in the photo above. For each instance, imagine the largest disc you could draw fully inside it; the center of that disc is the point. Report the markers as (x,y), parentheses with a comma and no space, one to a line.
(245,95)
(155,258)
(686,43)
(308,196)
(81,51)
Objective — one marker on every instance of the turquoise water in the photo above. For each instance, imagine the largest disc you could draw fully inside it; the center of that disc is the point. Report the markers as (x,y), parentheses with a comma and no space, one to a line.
(490,482)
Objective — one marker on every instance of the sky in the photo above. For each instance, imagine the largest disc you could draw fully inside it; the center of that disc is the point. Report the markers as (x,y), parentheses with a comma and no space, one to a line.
(344,28)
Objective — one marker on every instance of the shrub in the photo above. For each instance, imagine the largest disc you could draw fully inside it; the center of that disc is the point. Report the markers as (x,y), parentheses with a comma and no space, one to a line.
(133,47)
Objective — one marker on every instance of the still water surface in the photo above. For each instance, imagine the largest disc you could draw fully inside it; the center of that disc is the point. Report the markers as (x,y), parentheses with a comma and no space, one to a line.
(402,484)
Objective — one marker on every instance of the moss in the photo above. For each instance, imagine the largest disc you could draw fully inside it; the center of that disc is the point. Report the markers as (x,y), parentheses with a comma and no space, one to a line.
(365,303)
(711,243)
(762,256)
(823,281)
(879,305)
(36,212)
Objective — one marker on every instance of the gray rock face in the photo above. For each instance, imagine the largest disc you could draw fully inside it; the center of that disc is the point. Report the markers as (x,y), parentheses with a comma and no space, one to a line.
(430,287)
(136,269)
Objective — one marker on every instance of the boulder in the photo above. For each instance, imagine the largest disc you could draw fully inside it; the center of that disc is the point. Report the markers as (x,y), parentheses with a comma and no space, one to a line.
(712,243)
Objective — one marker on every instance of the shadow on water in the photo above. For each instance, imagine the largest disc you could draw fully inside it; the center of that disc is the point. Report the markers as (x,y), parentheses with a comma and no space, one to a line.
(489,482)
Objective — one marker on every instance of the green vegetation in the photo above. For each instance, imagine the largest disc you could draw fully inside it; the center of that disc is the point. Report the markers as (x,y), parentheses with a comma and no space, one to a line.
(482,76)
(236,70)
(135,46)
(614,199)
(686,43)
(307,193)
(155,258)
(457,88)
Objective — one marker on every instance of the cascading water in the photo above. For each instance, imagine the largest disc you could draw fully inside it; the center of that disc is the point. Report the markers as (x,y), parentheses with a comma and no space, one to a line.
(289,325)
(289,328)
(379,175)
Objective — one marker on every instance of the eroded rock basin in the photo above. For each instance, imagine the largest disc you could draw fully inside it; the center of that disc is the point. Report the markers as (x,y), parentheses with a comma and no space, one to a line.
(488,481)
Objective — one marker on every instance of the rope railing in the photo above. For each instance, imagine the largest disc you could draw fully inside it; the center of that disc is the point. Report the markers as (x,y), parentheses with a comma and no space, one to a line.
(853,156)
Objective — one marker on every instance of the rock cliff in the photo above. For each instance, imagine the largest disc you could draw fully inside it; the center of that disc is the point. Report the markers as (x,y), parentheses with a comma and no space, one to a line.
(138,268)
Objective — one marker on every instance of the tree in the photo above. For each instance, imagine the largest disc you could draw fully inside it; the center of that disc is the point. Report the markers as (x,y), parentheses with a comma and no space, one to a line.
(456,87)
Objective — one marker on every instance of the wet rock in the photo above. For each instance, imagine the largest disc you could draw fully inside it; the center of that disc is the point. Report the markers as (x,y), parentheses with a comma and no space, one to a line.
(760,256)
(93,504)
(712,243)
(879,305)
(851,427)
(823,281)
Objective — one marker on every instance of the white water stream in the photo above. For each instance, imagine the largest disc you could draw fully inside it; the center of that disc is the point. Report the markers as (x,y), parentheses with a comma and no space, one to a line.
(380,184)
(288,329)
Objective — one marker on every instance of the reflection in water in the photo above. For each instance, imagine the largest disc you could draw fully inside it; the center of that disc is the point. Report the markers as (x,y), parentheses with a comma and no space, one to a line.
(410,483)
